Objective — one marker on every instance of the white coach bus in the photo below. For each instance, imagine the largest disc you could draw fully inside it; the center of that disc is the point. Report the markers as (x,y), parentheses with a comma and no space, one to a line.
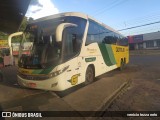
(69,49)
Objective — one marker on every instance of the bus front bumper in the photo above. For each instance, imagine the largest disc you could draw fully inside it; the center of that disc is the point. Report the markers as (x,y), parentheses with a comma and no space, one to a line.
(49,84)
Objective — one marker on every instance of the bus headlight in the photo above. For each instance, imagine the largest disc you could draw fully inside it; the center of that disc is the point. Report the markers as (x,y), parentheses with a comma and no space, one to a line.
(43,77)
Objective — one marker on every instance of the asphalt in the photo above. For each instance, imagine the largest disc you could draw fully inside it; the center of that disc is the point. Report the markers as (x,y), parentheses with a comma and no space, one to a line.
(90,98)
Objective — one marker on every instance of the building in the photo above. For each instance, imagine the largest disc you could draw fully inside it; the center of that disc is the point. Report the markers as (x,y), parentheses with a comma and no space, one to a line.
(4,44)
(145,41)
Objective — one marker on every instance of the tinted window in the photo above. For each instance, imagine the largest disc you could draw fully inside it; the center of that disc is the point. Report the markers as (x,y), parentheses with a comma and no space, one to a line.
(103,33)
(93,33)
(108,37)
(72,38)
(46,51)
(99,34)
(123,41)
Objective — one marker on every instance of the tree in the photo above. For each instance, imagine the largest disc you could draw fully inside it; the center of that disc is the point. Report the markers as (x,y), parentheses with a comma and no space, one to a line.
(23,24)
(3,36)
(21,28)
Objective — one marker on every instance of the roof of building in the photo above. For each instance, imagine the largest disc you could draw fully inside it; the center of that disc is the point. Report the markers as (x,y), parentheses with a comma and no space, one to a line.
(12,13)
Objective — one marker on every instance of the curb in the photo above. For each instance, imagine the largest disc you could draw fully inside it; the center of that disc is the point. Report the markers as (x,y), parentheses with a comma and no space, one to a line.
(108,101)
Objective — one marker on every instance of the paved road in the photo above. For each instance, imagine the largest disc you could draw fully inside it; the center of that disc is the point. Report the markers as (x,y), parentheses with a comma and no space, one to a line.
(143,94)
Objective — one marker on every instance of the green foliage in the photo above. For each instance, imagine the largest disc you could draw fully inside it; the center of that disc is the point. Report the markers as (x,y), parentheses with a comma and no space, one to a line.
(23,24)
(4,36)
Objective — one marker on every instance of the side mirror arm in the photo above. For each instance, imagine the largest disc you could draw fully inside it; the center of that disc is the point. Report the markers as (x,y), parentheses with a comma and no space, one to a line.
(60,28)
(10,40)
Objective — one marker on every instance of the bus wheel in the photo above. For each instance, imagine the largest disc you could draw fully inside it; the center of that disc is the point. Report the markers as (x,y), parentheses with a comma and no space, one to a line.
(122,65)
(89,75)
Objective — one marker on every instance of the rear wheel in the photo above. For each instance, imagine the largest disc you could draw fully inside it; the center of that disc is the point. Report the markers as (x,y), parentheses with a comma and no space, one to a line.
(122,65)
(89,75)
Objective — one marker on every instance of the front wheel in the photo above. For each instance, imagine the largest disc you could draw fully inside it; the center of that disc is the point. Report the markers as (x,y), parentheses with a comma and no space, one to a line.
(89,75)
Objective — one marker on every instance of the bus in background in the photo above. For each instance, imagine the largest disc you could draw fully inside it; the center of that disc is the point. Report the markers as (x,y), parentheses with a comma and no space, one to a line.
(15,48)
(26,48)
(69,49)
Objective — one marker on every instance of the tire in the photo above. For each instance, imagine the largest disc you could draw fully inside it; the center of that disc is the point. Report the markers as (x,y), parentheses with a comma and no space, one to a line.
(122,66)
(89,77)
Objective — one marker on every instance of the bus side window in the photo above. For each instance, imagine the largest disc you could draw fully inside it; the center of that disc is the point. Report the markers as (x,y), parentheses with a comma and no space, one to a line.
(115,38)
(124,41)
(70,42)
(93,33)
(74,43)
(107,36)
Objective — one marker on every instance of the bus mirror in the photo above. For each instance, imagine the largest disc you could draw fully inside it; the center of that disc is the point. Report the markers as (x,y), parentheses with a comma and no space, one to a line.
(10,38)
(60,28)
(12,35)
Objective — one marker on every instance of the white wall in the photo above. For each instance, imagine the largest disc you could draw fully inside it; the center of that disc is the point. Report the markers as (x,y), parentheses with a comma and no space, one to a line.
(144,45)
(151,36)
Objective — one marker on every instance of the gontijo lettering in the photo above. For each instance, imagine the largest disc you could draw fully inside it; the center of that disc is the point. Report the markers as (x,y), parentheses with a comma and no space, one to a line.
(119,49)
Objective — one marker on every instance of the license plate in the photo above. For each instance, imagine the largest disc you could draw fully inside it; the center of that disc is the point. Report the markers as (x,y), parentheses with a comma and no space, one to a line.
(32,85)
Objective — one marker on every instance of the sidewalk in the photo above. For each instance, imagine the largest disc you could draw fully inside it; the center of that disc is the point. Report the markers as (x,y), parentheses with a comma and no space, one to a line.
(91,98)
(145,52)
(96,95)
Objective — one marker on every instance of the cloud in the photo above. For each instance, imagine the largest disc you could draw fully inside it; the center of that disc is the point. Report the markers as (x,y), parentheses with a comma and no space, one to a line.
(41,8)
(35,2)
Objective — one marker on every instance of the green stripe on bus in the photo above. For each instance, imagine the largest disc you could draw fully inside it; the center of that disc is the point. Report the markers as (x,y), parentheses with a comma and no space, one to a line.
(111,54)
(107,54)
(48,70)
(43,71)
(37,71)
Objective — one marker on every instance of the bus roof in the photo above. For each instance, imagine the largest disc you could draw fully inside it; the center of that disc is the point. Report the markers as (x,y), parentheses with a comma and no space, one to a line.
(77,14)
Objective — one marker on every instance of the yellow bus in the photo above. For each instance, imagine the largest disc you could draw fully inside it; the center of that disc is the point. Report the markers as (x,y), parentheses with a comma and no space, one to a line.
(69,49)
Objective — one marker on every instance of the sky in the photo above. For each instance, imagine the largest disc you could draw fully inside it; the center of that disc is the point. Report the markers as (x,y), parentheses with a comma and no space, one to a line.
(118,14)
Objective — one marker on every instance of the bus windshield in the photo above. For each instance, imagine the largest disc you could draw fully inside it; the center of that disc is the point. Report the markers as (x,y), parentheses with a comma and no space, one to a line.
(44,51)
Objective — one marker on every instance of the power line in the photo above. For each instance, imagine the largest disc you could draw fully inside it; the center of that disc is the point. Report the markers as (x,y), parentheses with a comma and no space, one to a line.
(147,30)
(118,3)
(110,4)
(139,26)
(140,20)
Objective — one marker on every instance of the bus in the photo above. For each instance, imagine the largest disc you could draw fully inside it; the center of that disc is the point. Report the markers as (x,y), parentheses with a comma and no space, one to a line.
(69,49)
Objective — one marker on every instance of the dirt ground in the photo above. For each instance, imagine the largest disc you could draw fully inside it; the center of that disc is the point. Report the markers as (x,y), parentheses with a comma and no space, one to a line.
(144,91)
